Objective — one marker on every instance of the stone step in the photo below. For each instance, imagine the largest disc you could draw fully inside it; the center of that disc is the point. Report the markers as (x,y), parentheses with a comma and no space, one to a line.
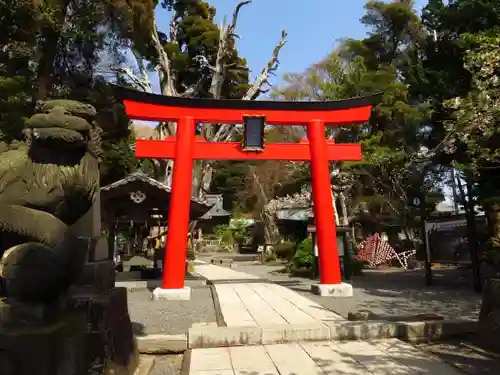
(305,358)
(213,337)
(145,366)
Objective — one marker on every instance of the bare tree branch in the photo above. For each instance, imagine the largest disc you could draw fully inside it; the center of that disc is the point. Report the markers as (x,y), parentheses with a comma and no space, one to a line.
(226,131)
(226,33)
(256,89)
(232,26)
(144,86)
(165,71)
(143,72)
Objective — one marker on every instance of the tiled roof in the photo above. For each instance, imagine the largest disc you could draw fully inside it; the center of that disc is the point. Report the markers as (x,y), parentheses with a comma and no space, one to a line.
(215,211)
(142,177)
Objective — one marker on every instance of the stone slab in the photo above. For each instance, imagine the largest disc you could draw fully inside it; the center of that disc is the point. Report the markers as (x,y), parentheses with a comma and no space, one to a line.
(313,309)
(145,366)
(236,281)
(162,344)
(210,360)
(213,273)
(211,337)
(259,308)
(373,359)
(308,358)
(417,360)
(331,360)
(364,330)
(292,359)
(266,304)
(332,290)
(294,332)
(251,360)
(294,311)
(365,315)
(183,294)
(233,309)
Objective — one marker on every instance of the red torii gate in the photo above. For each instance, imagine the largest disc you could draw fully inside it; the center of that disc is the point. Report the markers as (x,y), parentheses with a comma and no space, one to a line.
(186,147)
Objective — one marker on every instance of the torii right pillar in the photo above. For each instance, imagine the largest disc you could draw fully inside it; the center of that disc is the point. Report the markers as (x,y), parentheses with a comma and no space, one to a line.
(329,263)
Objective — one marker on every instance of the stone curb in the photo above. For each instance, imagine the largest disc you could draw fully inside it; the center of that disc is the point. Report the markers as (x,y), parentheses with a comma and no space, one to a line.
(219,317)
(162,344)
(133,286)
(213,337)
(238,281)
(146,364)
(186,363)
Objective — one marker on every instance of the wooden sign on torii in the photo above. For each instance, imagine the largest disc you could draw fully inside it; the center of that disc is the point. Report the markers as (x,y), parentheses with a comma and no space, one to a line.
(186,147)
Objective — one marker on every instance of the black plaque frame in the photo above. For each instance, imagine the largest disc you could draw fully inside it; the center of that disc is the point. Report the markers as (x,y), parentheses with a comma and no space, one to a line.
(244,145)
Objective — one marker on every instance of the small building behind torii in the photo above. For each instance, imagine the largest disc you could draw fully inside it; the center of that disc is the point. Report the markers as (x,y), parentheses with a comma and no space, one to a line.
(140,200)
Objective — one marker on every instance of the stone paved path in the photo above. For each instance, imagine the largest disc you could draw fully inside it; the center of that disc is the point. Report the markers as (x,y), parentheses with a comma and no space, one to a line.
(265,305)
(388,293)
(216,273)
(319,358)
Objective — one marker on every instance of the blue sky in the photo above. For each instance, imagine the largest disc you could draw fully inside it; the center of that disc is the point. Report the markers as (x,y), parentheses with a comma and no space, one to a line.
(312,30)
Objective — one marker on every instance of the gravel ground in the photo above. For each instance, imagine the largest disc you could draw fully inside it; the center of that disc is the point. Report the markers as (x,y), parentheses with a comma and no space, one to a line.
(391,292)
(170,317)
(167,365)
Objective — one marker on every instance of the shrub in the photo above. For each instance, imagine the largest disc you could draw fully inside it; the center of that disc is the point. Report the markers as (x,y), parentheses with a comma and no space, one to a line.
(190,254)
(270,257)
(303,257)
(225,235)
(285,250)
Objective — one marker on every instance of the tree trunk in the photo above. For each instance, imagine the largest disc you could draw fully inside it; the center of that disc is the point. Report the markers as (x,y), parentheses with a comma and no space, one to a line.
(270,227)
(46,54)
(493,217)
(470,214)
(202,176)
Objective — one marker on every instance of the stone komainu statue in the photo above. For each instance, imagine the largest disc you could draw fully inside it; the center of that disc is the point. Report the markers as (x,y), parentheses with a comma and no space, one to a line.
(47,184)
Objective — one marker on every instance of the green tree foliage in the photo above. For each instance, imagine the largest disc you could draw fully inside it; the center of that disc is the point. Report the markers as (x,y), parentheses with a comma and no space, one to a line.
(452,69)
(388,178)
(16,48)
(475,130)
(57,49)
(193,35)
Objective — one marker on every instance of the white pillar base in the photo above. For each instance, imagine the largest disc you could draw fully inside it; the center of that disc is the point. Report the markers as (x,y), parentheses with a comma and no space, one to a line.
(183,294)
(332,290)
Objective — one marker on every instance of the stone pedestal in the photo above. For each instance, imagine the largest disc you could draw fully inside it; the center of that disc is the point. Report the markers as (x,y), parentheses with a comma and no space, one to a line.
(109,341)
(87,331)
(332,290)
(89,226)
(183,294)
(488,331)
(51,349)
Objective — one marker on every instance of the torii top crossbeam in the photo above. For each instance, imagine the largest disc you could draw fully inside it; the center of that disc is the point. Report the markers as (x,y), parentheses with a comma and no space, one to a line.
(151,107)
(186,147)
